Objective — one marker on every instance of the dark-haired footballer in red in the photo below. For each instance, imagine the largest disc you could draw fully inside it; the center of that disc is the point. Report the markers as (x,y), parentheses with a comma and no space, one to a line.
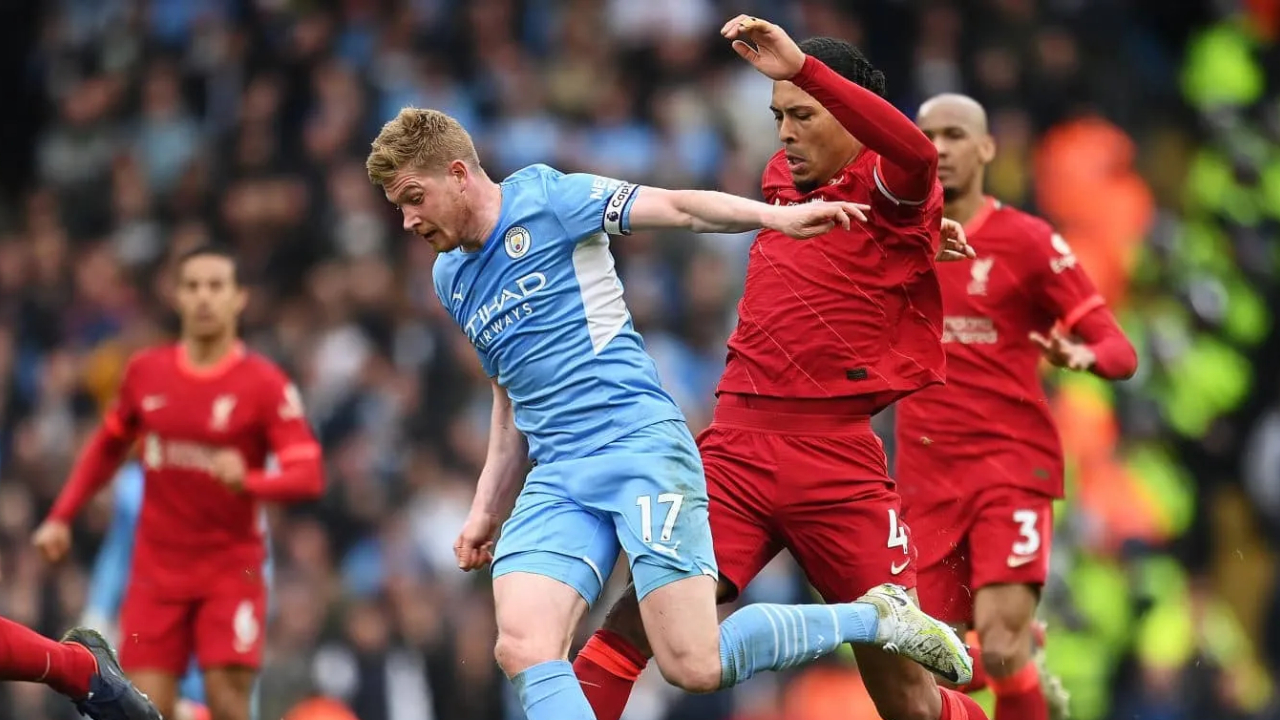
(205,413)
(830,332)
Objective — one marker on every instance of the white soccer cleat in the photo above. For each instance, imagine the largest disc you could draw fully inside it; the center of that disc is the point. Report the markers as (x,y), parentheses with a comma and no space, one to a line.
(906,630)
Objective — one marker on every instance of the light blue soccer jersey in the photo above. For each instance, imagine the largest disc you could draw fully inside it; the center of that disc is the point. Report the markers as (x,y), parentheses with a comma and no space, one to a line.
(542,304)
(616,466)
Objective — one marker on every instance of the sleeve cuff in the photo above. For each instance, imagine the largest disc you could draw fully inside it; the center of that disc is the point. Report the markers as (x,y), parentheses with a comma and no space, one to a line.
(1084,308)
(807,70)
(254,480)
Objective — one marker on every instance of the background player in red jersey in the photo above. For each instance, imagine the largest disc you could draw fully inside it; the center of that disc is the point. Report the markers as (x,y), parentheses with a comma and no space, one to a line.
(830,331)
(207,413)
(980,457)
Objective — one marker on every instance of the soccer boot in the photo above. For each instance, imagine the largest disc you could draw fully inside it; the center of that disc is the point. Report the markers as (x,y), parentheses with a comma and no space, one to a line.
(905,630)
(1055,695)
(111,695)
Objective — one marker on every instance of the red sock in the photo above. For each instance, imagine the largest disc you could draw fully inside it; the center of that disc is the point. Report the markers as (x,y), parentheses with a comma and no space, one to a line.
(31,657)
(607,668)
(958,706)
(979,680)
(1019,697)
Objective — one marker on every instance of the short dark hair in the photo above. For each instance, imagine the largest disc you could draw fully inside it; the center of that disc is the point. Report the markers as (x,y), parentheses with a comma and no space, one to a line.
(216,251)
(847,60)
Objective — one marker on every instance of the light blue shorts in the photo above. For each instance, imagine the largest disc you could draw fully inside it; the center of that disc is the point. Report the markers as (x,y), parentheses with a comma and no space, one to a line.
(644,493)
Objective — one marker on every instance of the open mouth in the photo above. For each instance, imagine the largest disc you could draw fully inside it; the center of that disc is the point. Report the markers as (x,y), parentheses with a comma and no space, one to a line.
(795,163)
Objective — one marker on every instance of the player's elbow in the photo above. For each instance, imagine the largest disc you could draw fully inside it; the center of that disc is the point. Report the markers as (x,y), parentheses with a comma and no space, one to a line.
(313,488)
(1129,363)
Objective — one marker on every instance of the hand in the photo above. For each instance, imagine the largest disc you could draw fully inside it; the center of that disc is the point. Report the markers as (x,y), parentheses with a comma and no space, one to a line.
(228,468)
(775,54)
(955,245)
(53,540)
(474,546)
(813,219)
(1064,352)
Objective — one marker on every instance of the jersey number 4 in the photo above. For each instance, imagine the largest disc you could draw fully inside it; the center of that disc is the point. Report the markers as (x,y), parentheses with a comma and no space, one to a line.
(673,500)
(897,532)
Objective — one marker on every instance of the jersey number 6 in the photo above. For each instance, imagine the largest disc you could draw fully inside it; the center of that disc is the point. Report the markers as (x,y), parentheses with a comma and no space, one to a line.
(675,500)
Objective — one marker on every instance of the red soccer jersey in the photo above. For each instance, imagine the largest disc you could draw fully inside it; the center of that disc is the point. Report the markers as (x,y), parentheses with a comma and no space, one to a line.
(849,313)
(191,525)
(992,416)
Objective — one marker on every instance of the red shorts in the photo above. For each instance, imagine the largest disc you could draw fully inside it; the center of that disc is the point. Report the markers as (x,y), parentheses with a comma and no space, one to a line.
(999,535)
(223,626)
(795,474)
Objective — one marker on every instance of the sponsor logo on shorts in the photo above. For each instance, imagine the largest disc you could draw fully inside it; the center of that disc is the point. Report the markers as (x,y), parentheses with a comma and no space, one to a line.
(671,551)
(896,569)
(1017,561)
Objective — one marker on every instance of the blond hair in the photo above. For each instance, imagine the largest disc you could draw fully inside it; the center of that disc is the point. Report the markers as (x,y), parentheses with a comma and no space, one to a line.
(421,139)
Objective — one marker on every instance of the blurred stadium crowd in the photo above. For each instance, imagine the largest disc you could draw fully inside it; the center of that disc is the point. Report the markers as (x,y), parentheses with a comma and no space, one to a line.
(1148,131)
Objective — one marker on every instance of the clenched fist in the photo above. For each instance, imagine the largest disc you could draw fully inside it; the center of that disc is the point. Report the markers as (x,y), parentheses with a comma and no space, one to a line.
(474,546)
(53,540)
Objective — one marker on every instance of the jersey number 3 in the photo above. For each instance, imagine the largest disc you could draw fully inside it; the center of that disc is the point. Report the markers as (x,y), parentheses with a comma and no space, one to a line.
(673,500)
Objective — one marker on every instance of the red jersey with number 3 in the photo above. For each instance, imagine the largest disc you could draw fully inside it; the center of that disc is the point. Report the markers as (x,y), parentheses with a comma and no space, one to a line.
(991,423)
(191,525)
(853,312)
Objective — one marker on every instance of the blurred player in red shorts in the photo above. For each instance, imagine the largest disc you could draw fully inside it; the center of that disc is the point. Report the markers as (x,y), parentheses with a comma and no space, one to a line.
(830,331)
(979,462)
(206,413)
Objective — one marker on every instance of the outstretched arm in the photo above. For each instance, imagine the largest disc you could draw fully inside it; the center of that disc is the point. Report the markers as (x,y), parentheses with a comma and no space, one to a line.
(705,211)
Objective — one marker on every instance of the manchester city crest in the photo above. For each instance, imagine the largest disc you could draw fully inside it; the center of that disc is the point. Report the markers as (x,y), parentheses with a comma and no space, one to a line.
(517,242)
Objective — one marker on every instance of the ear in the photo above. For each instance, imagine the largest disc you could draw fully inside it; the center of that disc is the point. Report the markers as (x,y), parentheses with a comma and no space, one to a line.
(987,149)
(460,173)
(242,299)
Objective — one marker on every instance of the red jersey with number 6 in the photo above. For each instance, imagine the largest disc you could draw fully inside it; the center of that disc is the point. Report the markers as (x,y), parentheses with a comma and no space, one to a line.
(192,526)
(849,313)
(991,423)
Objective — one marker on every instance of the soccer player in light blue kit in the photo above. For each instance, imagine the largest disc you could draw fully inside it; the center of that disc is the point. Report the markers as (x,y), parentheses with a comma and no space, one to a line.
(525,270)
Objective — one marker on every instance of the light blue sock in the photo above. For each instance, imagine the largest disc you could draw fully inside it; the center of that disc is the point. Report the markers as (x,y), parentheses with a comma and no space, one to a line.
(550,691)
(776,637)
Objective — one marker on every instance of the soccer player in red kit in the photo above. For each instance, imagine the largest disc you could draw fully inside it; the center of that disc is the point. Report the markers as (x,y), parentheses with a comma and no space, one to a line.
(205,413)
(980,456)
(831,331)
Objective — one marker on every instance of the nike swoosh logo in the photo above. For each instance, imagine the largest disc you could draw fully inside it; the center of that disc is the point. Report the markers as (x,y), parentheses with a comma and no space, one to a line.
(1016,561)
(896,569)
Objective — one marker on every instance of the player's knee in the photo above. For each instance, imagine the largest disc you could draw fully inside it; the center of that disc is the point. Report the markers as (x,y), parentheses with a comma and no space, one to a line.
(1006,647)
(692,671)
(517,652)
